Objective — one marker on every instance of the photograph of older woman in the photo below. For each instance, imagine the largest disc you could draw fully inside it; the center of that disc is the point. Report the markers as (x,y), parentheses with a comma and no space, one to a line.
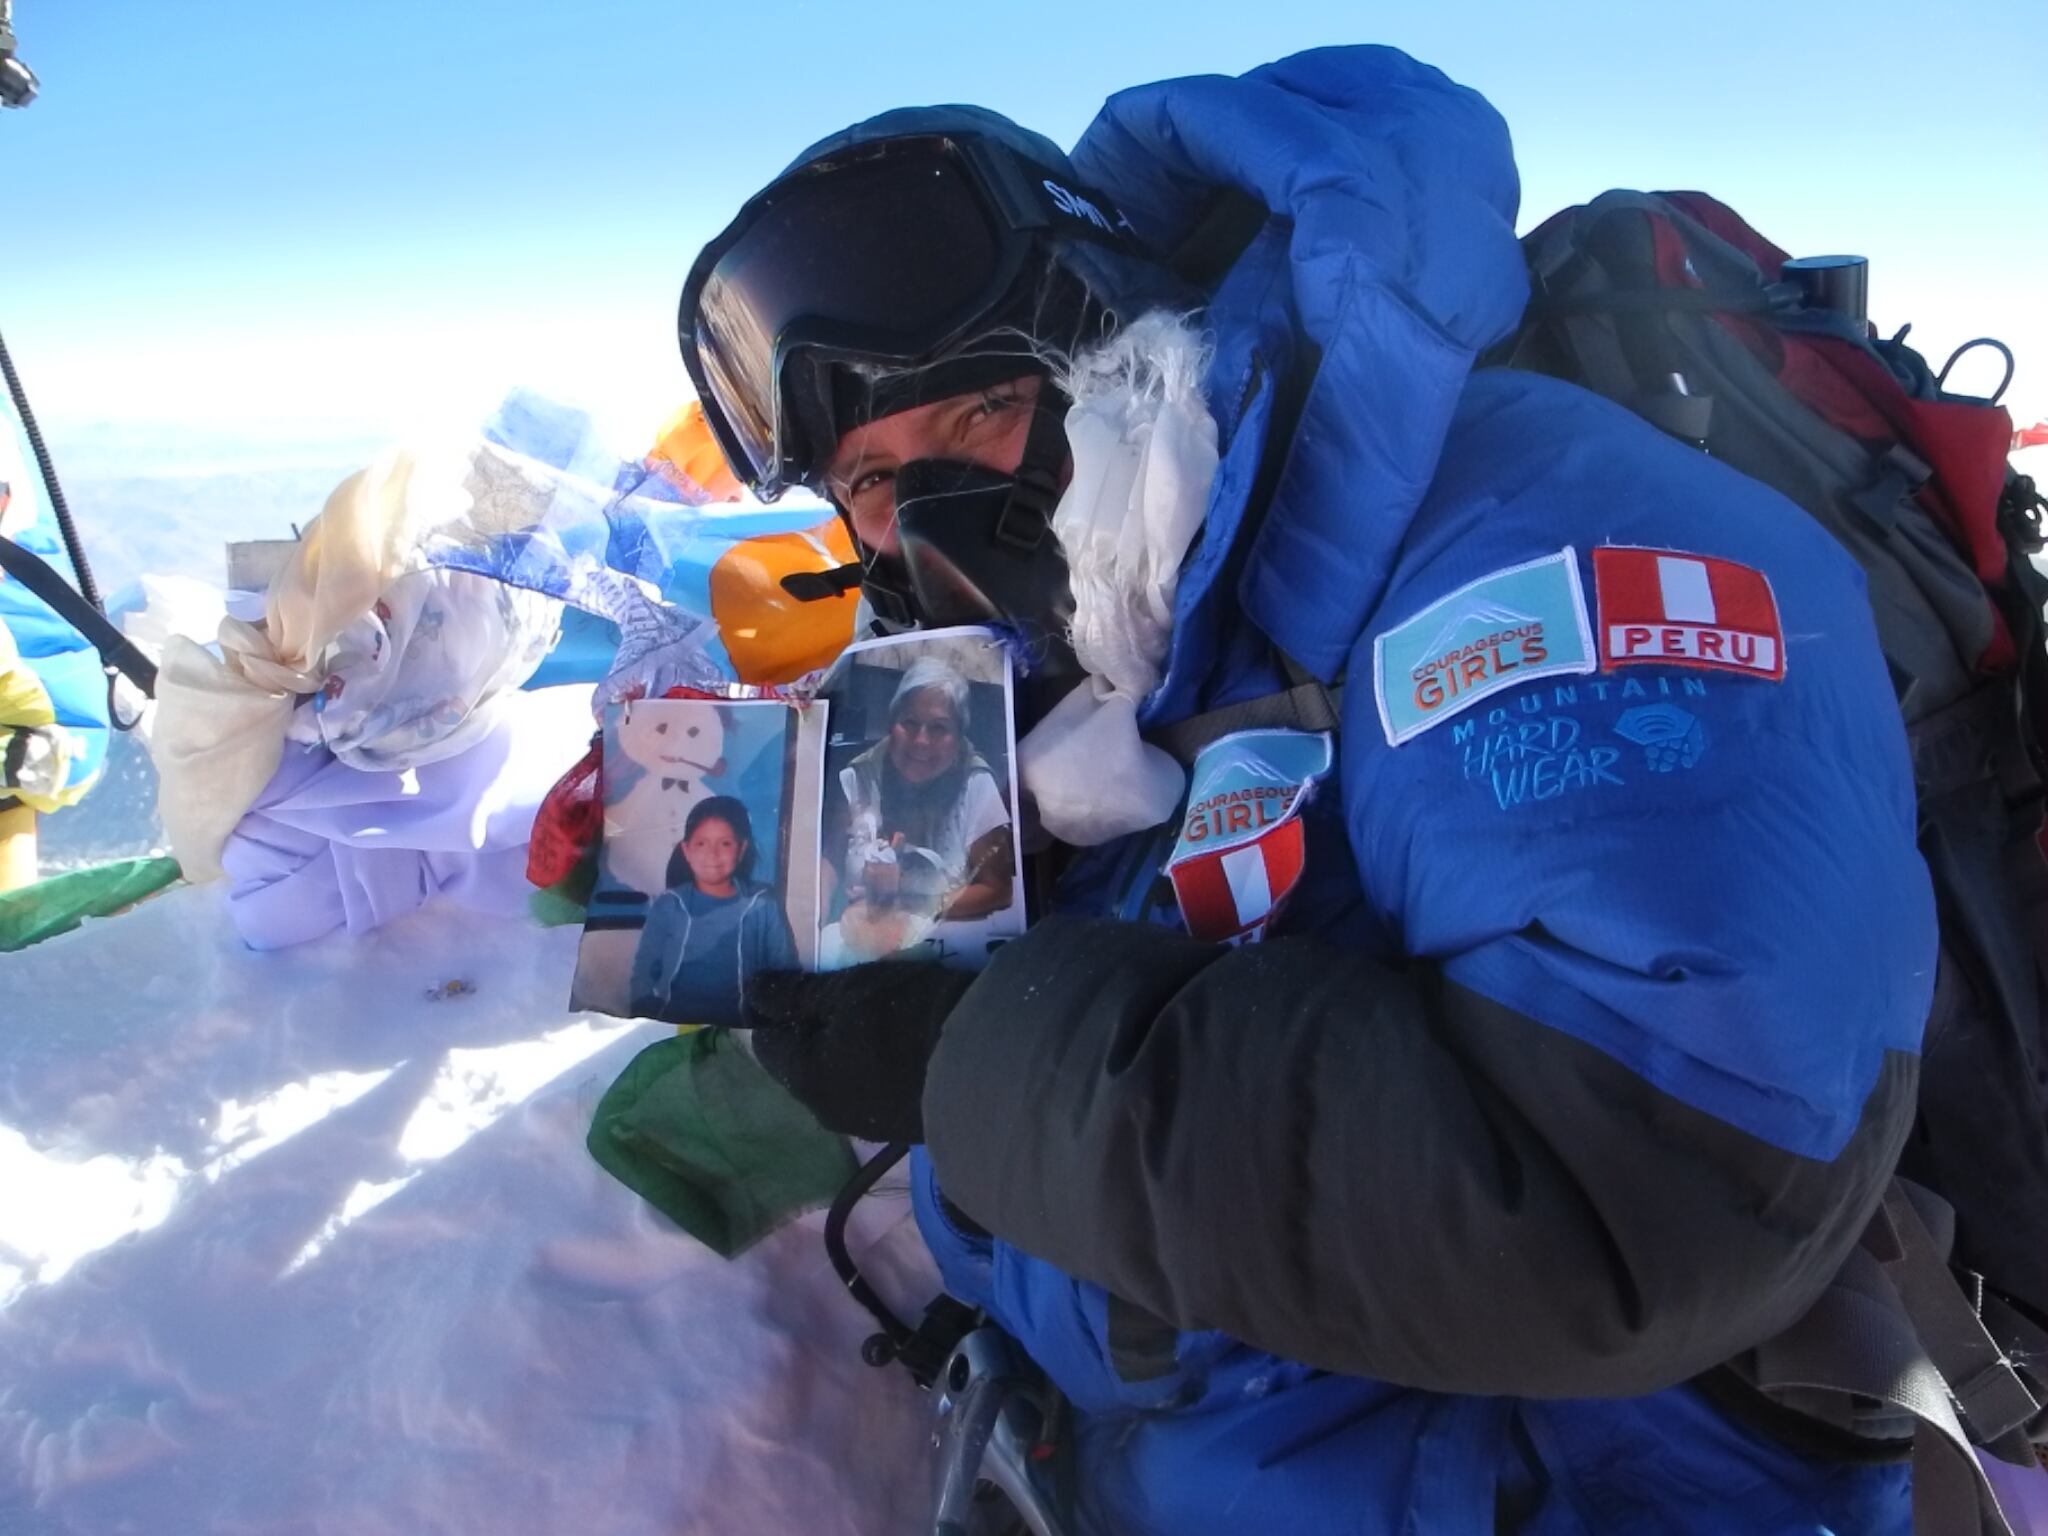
(918,846)
(713,927)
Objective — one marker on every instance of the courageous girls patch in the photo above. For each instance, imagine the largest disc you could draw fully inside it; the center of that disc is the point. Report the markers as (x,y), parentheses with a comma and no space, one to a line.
(1240,850)
(1511,627)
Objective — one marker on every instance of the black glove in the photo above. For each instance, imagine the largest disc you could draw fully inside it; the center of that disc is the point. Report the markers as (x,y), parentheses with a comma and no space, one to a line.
(852,1045)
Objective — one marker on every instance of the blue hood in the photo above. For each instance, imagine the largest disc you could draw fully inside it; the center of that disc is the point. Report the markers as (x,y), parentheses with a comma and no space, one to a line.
(1401,267)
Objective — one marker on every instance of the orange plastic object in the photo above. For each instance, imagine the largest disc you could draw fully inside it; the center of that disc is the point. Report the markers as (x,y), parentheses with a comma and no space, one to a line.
(686,444)
(770,636)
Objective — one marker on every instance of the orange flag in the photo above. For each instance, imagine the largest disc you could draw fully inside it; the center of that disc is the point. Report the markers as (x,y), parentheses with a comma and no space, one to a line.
(686,448)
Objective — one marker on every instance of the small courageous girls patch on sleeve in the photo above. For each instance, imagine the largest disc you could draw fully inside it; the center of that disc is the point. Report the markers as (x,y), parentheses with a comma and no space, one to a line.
(1242,847)
(1512,627)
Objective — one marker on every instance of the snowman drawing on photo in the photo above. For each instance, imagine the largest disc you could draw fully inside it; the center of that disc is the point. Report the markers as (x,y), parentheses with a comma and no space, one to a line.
(679,743)
(690,895)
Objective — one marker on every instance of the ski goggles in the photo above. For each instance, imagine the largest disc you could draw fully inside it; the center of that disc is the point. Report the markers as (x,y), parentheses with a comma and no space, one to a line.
(887,257)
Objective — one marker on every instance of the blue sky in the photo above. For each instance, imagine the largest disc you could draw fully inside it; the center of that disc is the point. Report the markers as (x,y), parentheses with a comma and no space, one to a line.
(239,231)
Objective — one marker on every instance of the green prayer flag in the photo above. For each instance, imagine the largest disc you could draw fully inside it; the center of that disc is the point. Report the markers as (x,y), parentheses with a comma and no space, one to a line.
(700,1131)
(57,905)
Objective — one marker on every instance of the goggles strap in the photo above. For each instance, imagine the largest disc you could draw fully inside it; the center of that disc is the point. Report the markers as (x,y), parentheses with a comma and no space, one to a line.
(1027,516)
(821,586)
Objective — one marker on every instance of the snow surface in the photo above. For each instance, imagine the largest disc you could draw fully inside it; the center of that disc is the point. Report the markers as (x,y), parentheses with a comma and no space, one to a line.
(308,1242)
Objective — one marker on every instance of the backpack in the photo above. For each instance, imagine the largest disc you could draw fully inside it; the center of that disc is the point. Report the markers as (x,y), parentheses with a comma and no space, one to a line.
(1671,305)
(1933,1339)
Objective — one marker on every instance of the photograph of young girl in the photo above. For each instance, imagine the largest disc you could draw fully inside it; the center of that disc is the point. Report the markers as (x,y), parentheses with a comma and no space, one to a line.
(713,927)
(918,845)
(693,894)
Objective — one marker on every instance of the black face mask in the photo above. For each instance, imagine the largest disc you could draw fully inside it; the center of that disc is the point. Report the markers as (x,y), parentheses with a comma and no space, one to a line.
(975,546)
(972,551)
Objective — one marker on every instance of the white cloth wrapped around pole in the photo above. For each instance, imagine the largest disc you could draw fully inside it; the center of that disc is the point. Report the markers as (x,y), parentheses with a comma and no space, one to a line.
(1144,455)
(1090,774)
(221,721)
(1144,449)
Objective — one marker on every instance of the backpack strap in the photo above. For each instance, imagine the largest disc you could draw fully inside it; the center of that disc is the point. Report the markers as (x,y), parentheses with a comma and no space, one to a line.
(116,650)
(1974,737)
(2025,599)
(1307,706)
(1975,1366)
(1892,1346)
(2025,1344)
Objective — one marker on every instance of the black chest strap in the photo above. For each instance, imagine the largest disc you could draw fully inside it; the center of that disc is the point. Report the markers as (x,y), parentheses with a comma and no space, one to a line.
(1307,706)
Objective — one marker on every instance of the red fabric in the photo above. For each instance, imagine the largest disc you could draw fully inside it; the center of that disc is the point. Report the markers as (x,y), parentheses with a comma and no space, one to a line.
(1668,255)
(1209,904)
(1964,444)
(2035,436)
(1808,370)
(1718,219)
(1672,608)
(569,822)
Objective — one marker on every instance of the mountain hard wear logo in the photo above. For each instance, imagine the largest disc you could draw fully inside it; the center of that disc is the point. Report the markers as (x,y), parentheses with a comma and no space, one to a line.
(1513,626)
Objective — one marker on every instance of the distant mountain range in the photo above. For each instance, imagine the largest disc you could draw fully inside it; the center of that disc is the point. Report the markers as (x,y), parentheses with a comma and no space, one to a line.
(181,525)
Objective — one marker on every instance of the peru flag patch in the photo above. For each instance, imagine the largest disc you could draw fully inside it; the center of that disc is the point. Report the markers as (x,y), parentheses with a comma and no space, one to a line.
(1666,608)
(1232,893)
(1242,848)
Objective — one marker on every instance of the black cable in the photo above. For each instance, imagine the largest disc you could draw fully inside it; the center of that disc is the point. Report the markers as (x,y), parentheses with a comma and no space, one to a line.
(91,620)
(865,1179)
(1941,379)
(65,526)
(18,87)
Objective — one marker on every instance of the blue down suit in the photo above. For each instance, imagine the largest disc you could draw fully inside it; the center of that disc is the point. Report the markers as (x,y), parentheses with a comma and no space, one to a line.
(1586,1034)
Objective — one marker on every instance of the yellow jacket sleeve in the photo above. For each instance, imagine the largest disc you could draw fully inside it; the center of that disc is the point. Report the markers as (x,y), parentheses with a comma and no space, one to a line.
(35,752)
